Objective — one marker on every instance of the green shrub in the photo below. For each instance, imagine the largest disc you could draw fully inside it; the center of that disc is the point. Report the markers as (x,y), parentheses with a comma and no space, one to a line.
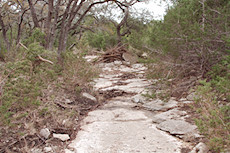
(101,40)
(76,71)
(36,36)
(22,89)
(214,100)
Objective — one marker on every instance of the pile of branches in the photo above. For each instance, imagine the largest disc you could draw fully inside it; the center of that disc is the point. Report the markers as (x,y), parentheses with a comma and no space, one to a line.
(113,54)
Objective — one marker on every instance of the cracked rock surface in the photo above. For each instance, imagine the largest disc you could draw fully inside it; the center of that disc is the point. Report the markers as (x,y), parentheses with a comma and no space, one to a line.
(119,127)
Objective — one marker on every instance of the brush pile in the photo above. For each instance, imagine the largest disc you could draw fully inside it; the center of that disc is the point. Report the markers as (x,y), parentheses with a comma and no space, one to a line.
(113,54)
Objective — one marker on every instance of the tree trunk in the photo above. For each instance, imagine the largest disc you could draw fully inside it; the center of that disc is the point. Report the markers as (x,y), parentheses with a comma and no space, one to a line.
(33,14)
(120,25)
(54,25)
(62,40)
(7,44)
(48,29)
(119,35)
(66,23)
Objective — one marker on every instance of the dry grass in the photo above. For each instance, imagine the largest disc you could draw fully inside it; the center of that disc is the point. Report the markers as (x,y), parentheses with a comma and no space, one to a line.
(50,97)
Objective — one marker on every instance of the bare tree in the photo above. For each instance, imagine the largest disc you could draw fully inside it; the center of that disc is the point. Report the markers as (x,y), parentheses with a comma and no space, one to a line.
(63,16)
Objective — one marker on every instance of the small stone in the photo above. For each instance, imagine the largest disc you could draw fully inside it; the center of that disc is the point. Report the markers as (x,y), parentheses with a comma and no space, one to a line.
(36,150)
(117,62)
(200,148)
(68,101)
(192,96)
(47,149)
(45,133)
(68,151)
(138,99)
(86,95)
(62,137)
(144,55)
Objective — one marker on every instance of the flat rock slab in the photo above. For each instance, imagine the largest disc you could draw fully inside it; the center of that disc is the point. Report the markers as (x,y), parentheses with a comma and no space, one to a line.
(176,127)
(159,105)
(122,131)
(171,114)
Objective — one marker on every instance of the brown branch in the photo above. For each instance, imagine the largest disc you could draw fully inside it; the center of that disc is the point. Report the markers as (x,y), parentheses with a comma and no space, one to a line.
(23,46)
(44,60)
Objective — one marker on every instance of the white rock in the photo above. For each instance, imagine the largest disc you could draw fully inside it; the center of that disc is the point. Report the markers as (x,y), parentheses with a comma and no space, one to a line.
(145,55)
(62,137)
(69,151)
(117,62)
(86,95)
(200,148)
(68,101)
(47,149)
(45,133)
(90,58)
(36,150)
(138,99)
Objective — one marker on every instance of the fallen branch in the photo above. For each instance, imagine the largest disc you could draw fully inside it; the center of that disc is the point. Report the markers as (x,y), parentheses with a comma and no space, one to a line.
(44,60)
(23,46)
(64,106)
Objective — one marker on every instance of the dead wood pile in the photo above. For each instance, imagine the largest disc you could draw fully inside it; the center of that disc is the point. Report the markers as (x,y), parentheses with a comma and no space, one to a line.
(113,54)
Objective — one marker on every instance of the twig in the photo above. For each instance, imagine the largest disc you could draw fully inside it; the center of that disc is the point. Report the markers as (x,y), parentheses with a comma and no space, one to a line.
(66,106)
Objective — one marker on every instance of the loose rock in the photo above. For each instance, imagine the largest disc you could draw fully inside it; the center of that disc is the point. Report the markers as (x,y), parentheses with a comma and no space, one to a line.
(159,105)
(36,150)
(138,99)
(200,148)
(69,151)
(117,62)
(171,114)
(62,137)
(176,127)
(47,149)
(86,95)
(45,133)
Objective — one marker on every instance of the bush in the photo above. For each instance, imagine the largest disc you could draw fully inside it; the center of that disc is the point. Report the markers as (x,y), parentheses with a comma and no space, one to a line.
(101,40)
(214,121)
(36,36)
(76,71)
(22,89)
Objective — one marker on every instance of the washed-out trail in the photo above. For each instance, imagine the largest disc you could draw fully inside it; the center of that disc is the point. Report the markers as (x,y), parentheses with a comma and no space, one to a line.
(129,123)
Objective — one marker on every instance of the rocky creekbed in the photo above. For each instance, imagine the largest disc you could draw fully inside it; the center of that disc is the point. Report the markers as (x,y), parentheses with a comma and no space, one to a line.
(129,122)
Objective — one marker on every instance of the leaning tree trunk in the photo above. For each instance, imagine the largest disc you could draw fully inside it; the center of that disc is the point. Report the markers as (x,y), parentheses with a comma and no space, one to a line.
(120,25)
(33,14)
